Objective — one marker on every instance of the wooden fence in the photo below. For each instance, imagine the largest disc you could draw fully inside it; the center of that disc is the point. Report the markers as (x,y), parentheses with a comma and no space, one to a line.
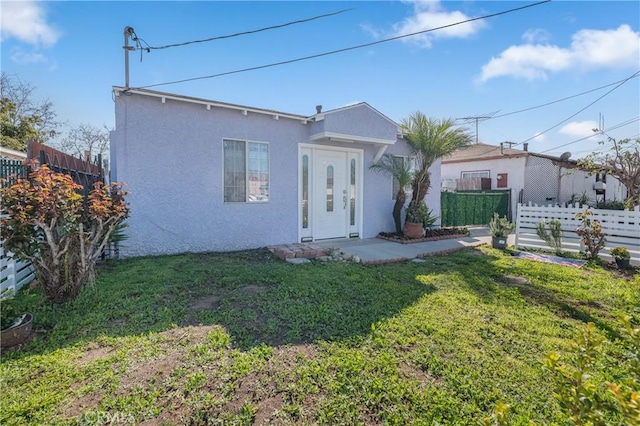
(622,228)
(83,172)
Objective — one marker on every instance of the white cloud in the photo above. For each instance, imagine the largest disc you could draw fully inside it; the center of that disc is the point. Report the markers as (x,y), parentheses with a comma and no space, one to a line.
(589,49)
(25,58)
(539,137)
(533,35)
(429,15)
(579,129)
(26,21)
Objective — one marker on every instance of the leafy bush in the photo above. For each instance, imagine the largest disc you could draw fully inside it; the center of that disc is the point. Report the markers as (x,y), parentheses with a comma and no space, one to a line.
(554,238)
(591,233)
(581,397)
(582,199)
(8,314)
(417,212)
(47,222)
(612,205)
(500,226)
(620,253)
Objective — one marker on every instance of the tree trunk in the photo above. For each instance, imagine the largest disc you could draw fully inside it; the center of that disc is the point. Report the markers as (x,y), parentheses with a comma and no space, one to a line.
(421,187)
(401,197)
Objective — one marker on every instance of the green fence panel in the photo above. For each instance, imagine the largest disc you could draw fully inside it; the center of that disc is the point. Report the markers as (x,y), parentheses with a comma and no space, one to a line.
(10,170)
(472,207)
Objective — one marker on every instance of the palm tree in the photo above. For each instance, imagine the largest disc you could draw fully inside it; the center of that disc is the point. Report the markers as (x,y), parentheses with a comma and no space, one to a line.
(430,139)
(399,170)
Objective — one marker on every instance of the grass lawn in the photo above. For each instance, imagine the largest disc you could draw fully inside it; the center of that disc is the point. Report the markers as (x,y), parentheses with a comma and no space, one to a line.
(242,338)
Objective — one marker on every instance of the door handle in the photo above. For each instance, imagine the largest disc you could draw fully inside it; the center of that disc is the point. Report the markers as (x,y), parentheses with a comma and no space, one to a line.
(344,198)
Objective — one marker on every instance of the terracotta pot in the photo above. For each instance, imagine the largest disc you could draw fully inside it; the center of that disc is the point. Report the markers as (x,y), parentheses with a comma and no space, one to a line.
(15,335)
(413,230)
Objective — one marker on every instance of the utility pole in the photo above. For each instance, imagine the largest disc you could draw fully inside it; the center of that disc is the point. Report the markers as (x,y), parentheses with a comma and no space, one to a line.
(128,32)
(477,119)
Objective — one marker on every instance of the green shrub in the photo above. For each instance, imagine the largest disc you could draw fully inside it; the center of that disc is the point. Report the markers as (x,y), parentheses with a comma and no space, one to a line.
(417,212)
(611,205)
(554,238)
(620,253)
(500,226)
(582,399)
(49,223)
(591,233)
(8,315)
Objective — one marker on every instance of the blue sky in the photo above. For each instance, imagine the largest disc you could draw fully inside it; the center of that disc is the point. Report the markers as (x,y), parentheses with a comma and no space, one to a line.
(72,52)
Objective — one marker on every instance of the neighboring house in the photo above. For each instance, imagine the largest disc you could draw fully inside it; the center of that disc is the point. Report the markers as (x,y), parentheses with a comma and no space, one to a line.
(211,176)
(530,177)
(12,154)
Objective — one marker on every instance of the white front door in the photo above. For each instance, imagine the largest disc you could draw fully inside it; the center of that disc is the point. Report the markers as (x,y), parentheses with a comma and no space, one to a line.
(330,194)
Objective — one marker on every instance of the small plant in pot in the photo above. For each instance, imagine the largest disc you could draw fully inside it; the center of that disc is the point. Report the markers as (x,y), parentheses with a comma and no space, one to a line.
(15,326)
(621,256)
(500,227)
(417,212)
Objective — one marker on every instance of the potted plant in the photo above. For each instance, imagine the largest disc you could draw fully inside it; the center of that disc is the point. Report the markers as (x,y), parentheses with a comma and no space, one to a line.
(500,227)
(414,223)
(15,327)
(621,256)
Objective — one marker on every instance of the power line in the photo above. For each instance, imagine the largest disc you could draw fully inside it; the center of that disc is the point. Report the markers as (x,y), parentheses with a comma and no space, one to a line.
(614,127)
(581,110)
(273,27)
(304,58)
(573,115)
(558,100)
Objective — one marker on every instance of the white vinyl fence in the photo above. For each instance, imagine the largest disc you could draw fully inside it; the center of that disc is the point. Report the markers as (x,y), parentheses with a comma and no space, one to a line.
(622,228)
(13,274)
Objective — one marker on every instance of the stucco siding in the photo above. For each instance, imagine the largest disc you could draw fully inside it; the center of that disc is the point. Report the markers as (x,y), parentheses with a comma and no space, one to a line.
(360,121)
(378,190)
(577,183)
(171,157)
(171,160)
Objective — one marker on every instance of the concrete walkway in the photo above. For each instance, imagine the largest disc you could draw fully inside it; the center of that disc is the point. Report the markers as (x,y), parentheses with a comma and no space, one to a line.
(377,250)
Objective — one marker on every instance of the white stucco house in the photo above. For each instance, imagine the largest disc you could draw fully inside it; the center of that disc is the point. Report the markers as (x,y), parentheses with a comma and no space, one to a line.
(12,154)
(530,177)
(205,175)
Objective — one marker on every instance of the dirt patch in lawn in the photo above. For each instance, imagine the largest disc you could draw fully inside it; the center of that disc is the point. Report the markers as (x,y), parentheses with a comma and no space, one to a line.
(237,298)
(150,371)
(94,353)
(116,322)
(204,303)
(414,373)
(82,404)
(267,387)
(628,274)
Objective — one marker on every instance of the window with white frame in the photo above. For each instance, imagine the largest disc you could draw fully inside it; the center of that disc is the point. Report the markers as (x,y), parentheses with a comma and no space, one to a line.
(246,171)
(475,174)
(395,187)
